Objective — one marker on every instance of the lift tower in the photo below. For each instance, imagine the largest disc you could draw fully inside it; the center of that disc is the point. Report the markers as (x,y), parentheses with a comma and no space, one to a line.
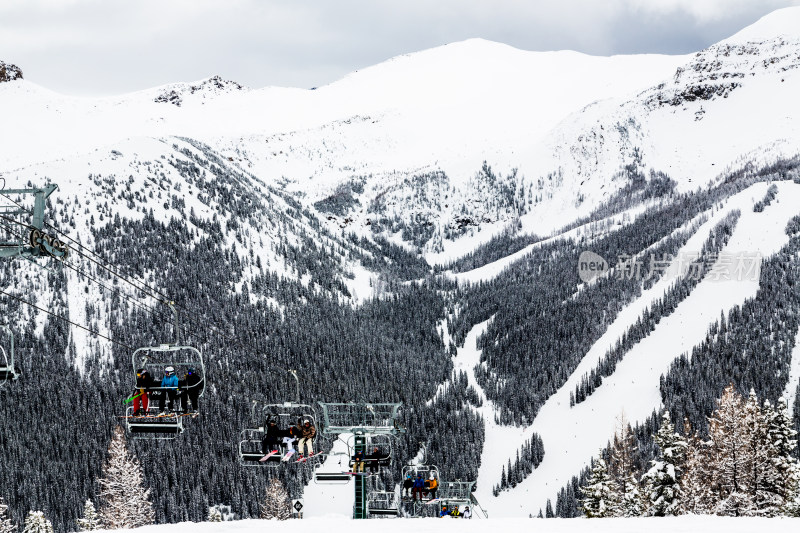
(38,242)
(363,420)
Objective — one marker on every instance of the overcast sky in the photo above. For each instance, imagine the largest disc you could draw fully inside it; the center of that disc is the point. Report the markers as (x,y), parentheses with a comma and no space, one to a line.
(95,47)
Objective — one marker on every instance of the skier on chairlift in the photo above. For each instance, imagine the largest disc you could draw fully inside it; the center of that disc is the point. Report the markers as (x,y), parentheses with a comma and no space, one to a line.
(307,433)
(407,484)
(192,388)
(169,386)
(419,486)
(431,485)
(375,459)
(141,394)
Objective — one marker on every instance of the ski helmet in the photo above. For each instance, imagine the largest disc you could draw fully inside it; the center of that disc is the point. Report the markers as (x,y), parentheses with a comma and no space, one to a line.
(169,370)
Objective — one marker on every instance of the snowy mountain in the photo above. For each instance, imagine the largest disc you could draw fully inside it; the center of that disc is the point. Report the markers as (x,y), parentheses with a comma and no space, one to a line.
(290,226)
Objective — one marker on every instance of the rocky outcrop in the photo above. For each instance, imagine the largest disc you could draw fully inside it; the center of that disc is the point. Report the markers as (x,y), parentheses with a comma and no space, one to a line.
(213,85)
(9,72)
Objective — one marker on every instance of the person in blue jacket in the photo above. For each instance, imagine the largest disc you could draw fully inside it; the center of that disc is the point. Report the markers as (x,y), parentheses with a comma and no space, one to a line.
(419,486)
(444,512)
(169,385)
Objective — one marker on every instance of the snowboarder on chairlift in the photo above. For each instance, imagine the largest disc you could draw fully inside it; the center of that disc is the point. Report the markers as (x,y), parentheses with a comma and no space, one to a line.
(141,393)
(192,389)
(307,433)
(169,384)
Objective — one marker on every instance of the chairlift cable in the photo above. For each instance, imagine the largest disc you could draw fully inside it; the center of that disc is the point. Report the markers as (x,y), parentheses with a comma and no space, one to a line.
(142,286)
(54,315)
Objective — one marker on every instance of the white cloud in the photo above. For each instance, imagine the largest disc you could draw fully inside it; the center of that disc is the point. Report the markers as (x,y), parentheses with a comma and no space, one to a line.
(705,11)
(107,46)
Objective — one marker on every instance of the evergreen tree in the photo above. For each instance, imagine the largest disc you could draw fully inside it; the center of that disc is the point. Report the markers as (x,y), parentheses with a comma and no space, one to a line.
(276,502)
(758,456)
(600,492)
(548,513)
(784,477)
(35,522)
(123,497)
(90,520)
(662,481)
(632,499)
(6,525)
(214,514)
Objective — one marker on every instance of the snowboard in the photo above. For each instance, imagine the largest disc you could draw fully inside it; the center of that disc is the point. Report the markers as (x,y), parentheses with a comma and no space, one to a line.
(288,456)
(270,454)
(431,502)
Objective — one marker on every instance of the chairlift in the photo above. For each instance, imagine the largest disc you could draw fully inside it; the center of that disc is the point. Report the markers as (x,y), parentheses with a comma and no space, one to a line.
(285,416)
(8,369)
(385,450)
(173,359)
(382,504)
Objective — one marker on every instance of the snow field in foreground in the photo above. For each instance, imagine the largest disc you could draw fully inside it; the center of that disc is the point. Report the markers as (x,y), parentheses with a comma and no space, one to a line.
(336,524)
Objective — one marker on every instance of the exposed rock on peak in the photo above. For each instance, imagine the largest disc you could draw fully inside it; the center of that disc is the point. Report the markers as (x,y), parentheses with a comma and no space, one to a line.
(9,72)
(214,85)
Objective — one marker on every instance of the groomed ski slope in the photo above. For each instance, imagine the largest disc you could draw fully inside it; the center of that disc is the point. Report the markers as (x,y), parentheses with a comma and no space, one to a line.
(573,435)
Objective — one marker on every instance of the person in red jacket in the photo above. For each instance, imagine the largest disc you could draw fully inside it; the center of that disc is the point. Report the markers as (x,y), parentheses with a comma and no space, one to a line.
(141,394)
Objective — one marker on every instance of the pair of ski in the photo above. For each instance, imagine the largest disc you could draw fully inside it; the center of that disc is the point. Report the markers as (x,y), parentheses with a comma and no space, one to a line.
(285,458)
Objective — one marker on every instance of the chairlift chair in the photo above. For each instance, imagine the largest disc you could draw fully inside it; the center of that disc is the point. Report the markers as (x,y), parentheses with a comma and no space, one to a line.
(382,504)
(286,414)
(155,359)
(8,369)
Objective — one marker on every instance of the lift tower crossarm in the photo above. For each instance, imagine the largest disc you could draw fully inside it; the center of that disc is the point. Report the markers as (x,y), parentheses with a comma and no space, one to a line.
(38,206)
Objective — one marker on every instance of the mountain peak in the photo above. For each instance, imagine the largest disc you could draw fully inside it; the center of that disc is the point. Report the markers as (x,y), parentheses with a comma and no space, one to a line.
(215,85)
(780,23)
(9,72)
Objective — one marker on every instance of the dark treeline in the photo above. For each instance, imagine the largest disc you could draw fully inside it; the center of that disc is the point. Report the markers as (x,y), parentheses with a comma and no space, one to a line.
(529,456)
(384,350)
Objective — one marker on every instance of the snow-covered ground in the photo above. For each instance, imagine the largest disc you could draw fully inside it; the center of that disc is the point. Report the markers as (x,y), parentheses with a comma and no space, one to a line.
(337,524)
(572,436)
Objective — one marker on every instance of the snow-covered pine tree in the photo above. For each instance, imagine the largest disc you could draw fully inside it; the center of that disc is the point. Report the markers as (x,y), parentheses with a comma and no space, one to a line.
(214,514)
(632,502)
(696,479)
(90,520)
(6,525)
(783,478)
(729,459)
(35,522)
(123,497)
(548,513)
(276,502)
(600,492)
(662,482)
(759,464)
